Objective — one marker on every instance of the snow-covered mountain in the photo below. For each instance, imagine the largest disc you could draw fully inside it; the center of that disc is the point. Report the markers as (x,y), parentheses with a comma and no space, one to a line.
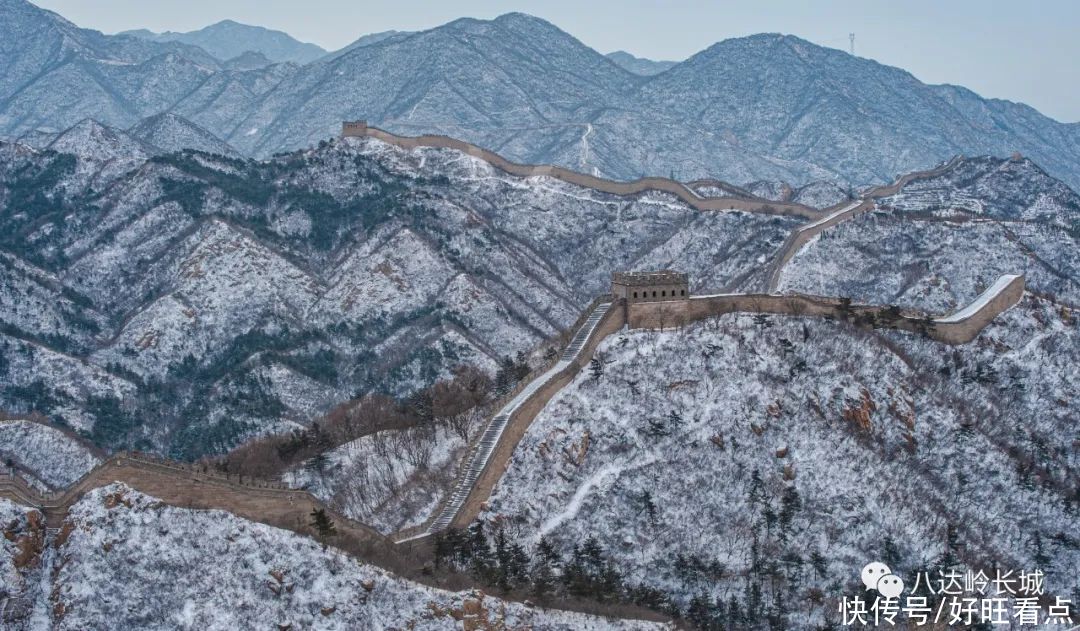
(219,297)
(938,242)
(228,40)
(639,65)
(468,78)
(367,40)
(389,480)
(128,561)
(268,291)
(765,107)
(43,456)
(53,74)
(62,74)
(747,468)
(169,133)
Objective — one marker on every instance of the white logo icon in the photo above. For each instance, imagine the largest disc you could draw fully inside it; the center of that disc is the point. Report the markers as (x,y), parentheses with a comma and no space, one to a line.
(890,586)
(878,576)
(873,572)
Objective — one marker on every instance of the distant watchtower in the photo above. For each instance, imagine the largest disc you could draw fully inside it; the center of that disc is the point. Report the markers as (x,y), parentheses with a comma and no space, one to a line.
(353,128)
(650,286)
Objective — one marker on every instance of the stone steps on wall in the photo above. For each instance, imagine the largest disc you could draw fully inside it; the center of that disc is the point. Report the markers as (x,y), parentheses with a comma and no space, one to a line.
(477,459)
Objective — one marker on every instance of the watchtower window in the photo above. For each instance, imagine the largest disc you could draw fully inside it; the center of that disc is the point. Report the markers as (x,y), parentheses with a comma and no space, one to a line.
(682,292)
(654,294)
(635,294)
(664,293)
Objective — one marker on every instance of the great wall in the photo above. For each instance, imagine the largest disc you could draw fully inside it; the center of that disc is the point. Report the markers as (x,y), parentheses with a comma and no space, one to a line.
(482,470)
(800,237)
(746,203)
(193,486)
(488,456)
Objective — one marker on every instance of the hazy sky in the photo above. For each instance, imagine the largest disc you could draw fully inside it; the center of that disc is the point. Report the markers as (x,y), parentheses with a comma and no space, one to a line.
(1022,51)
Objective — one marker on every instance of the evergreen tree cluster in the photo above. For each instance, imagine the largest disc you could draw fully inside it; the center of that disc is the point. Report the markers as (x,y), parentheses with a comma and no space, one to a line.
(511,371)
(493,558)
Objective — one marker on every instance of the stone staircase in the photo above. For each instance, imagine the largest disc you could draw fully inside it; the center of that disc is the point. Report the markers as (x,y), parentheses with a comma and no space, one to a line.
(477,458)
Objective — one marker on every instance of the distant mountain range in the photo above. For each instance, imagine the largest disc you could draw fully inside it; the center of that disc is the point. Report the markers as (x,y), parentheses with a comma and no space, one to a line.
(639,65)
(228,39)
(765,107)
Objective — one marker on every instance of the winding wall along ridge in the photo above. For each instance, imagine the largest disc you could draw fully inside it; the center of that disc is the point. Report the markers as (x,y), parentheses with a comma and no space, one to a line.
(866,202)
(642,185)
(958,328)
(274,504)
(187,486)
(476,461)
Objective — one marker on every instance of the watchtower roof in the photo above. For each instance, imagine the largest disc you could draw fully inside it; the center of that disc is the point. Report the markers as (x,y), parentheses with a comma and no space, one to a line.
(643,279)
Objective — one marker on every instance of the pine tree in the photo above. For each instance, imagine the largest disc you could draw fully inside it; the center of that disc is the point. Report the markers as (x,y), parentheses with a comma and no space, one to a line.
(645,501)
(952,541)
(718,614)
(422,405)
(770,518)
(442,548)
(756,492)
(657,428)
(317,463)
(890,553)
(501,570)
(753,598)
(1039,554)
(820,565)
(699,612)
(505,376)
(790,503)
(518,568)
(322,522)
(735,617)
(479,552)
(521,366)
(596,368)
(545,567)
(844,308)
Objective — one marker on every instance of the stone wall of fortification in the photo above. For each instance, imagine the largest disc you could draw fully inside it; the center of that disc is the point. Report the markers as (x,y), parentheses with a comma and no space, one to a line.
(523,417)
(661,315)
(185,486)
(968,329)
(797,239)
(589,181)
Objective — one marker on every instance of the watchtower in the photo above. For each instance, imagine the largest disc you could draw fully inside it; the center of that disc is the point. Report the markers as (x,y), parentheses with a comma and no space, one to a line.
(650,286)
(353,128)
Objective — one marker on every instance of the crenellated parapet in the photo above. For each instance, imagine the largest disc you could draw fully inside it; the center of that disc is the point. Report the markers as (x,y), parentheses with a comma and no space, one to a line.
(959,327)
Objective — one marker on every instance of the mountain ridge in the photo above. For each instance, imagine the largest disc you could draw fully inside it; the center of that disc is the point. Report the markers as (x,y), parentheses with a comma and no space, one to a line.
(229,39)
(639,65)
(524,88)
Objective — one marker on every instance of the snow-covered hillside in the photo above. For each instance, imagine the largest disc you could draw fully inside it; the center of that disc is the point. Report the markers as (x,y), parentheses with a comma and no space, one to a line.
(22,542)
(257,294)
(43,455)
(389,480)
(752,450)
(939,242)
(131,562)
(228,39)
(168,133)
